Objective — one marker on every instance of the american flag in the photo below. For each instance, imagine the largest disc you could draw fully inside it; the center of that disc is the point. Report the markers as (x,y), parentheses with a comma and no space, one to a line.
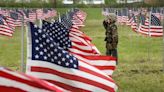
(11,81)
(49,62)
(156,28)
(13,15)
(84,50)
(81,42)
(80,45)
(78,49)
(5,28)
(106,64)
(119,16)
(11,22)
(32,15)
(66,21)
(19,14)
(134,23)
(124,15)
(151,26)
(26,12)
(39,14)
(58,33)
(157,12)
(144,24)
(81,14)
(76,20)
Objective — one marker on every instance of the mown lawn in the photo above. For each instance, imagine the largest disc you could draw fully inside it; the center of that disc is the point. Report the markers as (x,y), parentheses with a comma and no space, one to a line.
(140,57)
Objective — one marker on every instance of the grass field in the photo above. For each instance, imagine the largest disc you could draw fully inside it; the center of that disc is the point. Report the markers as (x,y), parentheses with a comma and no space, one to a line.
(140,57)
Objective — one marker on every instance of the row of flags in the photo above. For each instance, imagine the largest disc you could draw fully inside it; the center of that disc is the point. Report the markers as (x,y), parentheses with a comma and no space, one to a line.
(141,20)
(12,18)
(61,58)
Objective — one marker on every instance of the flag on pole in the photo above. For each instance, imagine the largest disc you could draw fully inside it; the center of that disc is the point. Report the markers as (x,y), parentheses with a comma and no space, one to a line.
(11,81)
(49,62)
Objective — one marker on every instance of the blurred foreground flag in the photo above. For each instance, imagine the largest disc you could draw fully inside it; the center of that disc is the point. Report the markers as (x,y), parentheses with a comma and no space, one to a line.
(11,81)
(48,61)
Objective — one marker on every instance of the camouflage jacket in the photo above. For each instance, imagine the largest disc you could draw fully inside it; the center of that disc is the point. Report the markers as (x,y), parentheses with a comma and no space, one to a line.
(111,35)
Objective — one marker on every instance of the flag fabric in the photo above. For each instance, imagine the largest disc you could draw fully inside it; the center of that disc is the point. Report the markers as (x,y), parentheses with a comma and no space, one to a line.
(39,13)
(5,28)
(80,50)
(67,41)
(119,17)
(106,64)
(144,25)
(156,29)
(156,12)
(11,81)
(32,15)
(84,50)
(10,22)
(151,26)
(124,16)
(58,33)
(58,66)
(81,46)
(134,23)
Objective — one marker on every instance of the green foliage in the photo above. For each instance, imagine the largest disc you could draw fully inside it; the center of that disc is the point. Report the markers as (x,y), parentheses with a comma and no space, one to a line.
(109,2)
(26,5)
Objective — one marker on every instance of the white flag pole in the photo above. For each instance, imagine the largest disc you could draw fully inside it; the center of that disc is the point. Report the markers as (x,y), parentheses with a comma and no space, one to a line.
(22,45)
(163,38)
(150,22)
(40,23)
(67,14)
(149,35)
(59,18)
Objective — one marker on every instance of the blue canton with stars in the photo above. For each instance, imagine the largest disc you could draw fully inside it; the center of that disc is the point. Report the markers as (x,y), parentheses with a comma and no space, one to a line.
(45,49)
(66,21)
(2,18)
(58,33)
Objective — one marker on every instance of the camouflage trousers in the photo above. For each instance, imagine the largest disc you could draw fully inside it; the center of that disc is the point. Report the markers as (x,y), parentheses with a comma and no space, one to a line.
(112,52)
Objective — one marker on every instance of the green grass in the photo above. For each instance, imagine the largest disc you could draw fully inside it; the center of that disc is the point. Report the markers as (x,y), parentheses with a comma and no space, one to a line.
(137,71)
(140,57)
(10,52)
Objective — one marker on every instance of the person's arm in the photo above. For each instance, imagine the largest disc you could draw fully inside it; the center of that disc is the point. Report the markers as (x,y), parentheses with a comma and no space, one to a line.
(105,24)
(114,36)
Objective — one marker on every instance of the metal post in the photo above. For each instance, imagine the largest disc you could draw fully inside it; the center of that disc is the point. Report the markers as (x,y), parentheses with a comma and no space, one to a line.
(150,21)
(22,45)
(149,35)
(67,14)
(59,18)
(40,23)
(163,38)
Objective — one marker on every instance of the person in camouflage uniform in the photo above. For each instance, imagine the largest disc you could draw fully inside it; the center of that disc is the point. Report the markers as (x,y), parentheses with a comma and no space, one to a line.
(111,35)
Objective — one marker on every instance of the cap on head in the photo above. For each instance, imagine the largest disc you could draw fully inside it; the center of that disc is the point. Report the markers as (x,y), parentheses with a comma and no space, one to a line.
(111,17)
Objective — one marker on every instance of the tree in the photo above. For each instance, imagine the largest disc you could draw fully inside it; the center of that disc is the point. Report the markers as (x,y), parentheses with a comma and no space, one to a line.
(107,2)
(54,2)
(76,1)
